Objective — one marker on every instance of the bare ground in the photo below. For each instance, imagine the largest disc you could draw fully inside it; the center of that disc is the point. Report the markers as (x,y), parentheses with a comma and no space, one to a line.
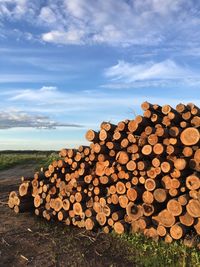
(26,240)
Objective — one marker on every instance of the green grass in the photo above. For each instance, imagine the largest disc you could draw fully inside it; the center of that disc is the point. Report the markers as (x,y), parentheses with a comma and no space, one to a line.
(40,159)
(151,253)
(46,161)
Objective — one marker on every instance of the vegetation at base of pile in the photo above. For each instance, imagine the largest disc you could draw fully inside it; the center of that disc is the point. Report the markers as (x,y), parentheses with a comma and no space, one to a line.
(152,253)
(12,158)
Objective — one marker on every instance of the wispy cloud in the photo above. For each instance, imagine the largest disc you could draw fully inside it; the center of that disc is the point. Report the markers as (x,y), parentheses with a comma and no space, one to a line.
(14,118)
(164,73)
(86,107)
(51,98)
(46,92)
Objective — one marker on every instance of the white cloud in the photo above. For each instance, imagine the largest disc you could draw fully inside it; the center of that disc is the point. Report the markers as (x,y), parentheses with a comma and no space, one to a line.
(16,9)
(150,73)
(47,15)
(120,23)
(73,36)
(14,118)
(126,23)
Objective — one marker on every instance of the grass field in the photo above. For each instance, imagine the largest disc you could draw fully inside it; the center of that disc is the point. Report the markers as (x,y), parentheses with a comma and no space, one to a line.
(39,158)
(111,249)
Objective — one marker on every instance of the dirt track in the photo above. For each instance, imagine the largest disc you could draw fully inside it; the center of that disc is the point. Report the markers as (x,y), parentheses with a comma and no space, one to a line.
(26,240)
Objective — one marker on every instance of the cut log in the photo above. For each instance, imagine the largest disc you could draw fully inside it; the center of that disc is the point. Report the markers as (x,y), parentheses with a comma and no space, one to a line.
(190,136)
(58,204)
(165,218)
(120,227)
(123,201)
(161,230)
(193,208)
(180,164)
(193,182)
(177,231)
(23,188)
(150,184)
(147,197)
(174,207)
(160,195)
(131,165)
(132,194)
(186,219)
(101,218)
(90,223)
(148,209)
(134,211)
(147,150)
(183,199)
(122,157)
(91,136)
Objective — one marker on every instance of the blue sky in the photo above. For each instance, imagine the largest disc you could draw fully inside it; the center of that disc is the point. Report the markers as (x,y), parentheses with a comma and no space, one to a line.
(67,65)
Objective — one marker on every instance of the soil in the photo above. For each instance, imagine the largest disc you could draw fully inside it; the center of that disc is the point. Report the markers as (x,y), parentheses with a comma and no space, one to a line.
(26,240)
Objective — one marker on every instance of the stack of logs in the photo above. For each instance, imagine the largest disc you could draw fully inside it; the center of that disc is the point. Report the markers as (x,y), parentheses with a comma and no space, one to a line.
(141,175)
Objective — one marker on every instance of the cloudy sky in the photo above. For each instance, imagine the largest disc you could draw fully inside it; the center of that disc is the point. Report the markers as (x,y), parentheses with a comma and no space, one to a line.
(67,65)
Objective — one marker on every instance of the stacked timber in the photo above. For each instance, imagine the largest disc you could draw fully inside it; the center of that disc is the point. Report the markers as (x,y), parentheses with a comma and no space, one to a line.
(141,175)
(22,200)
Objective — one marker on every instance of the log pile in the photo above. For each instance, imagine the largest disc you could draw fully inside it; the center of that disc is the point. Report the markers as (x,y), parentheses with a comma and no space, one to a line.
(141,175)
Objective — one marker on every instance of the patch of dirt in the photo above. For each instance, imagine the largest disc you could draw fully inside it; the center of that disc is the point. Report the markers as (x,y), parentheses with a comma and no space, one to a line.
(26,240)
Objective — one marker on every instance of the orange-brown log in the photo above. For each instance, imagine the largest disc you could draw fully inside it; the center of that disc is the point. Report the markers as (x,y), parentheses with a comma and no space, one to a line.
(174,207)
(193,208)
(147,197)
(90,223)
(23,188)
(118,215)
(147,150)
(186,219)
(120,227)
(177,231)
(190,136)
(134,211)
(122,157)
(158,149)
(161,230)
(193,182)
(101,218)
(165,218)
(168,239)
(150,184)
(131,165)
(183,199)
(92,136)
(148,209)
(123,201)
(160,195)
(133,193)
